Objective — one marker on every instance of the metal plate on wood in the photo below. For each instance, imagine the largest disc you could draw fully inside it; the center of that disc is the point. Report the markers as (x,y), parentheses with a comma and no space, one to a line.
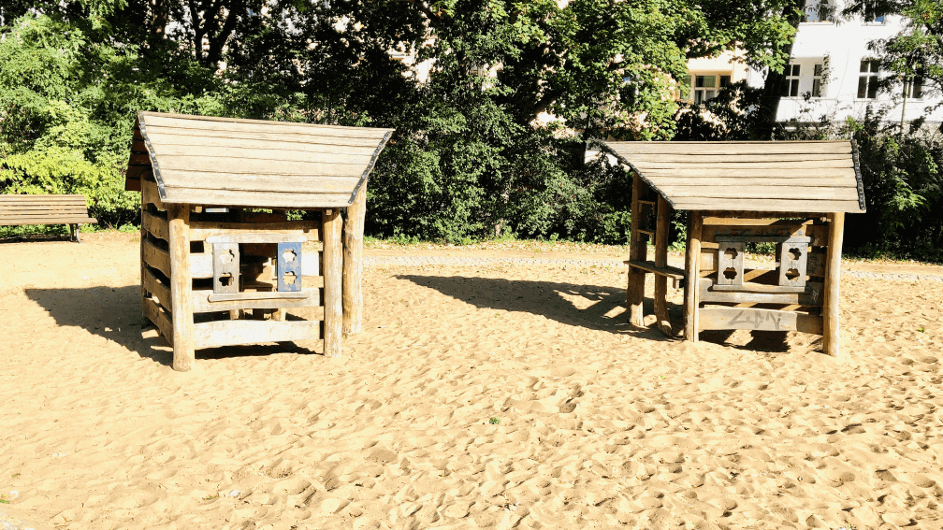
(225,267)
(289,267)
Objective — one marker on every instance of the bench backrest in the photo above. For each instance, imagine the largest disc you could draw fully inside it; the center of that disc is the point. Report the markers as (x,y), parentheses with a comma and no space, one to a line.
(43,209)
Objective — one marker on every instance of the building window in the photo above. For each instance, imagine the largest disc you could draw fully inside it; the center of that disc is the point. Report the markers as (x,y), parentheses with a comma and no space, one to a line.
(872,15)
(818,11)
(706,86)
(914,87)
(791,83)
(868,79)
(817,72)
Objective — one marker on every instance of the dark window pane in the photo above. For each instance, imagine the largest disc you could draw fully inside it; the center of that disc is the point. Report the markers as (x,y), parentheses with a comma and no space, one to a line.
(862,87)
(817,70)
(794,88)
(795,70)
(864,66)
(708,81)
(875,66)
(724,81)
(918,88)
(816,88)
(872,88)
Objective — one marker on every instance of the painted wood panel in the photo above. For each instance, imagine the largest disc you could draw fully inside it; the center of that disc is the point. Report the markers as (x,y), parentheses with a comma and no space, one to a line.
(758,320)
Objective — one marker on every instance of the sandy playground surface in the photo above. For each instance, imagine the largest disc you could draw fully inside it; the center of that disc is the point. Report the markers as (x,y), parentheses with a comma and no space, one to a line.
(601,425)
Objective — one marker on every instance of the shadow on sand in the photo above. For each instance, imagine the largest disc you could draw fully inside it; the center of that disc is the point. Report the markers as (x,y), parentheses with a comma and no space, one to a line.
(553,300)
(115,314)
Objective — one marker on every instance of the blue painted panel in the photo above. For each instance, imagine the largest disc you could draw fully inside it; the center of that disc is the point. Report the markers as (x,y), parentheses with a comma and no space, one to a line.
(289,261)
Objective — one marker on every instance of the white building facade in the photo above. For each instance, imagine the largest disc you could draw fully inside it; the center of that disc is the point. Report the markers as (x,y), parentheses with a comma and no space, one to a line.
(832,72)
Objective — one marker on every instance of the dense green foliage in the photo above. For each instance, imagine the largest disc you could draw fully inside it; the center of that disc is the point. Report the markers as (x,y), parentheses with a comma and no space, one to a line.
(491,143)
(470,158)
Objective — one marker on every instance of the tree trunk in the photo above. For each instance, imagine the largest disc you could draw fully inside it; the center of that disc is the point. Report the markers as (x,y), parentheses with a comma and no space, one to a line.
(773,86)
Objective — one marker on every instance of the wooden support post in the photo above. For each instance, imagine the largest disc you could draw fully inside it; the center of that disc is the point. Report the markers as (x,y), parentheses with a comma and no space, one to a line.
(692,269)
(635,293)
(181,286)
(145,321)
(333,283)
(661,260)
(353,262)
(830,332)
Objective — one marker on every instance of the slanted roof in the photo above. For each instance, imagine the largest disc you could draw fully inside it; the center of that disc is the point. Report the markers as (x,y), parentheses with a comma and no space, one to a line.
(228,162)
(749,176)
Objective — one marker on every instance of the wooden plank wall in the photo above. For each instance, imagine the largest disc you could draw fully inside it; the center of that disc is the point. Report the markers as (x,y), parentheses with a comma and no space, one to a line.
(233,332)
(757,309)
(160,304)
(155,261)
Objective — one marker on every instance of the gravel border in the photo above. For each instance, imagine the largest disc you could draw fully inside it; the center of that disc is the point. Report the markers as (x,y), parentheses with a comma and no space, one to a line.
(417,261)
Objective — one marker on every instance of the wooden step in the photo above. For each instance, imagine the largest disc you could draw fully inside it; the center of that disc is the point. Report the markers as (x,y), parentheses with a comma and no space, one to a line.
(677,275)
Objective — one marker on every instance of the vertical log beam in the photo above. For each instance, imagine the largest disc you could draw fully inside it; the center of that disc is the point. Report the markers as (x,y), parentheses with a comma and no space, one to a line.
(181,286)
(145,321)
(333,283)
(353,262)
(635,293)
(830,324)
(692,273)
(661,260)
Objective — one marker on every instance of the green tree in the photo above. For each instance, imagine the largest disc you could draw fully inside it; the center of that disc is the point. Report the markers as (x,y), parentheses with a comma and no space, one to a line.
(470,158)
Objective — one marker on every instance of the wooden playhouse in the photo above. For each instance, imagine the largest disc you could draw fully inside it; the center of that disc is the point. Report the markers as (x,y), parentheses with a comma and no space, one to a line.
(790,194)
(220,260)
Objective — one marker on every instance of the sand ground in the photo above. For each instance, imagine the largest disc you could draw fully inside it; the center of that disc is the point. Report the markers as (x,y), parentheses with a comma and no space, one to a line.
(601,425)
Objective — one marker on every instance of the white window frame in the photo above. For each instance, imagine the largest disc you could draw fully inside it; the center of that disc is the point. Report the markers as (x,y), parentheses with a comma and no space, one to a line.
(818,80)
(871,75)
(792,80)
(812,11)
(916,87)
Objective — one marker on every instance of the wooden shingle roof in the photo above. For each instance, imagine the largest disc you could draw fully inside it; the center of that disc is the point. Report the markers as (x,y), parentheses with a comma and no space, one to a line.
(816,176)
(256,163)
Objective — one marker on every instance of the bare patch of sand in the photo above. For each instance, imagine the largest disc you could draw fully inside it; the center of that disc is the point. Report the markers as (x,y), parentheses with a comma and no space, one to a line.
(600,425)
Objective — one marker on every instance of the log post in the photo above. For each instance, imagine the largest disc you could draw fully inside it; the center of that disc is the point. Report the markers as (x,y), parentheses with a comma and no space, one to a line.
(353,262)
(635,293)
(181,286)
(145,321)
(661,260)
(333,283)
(692,273)
(830,325)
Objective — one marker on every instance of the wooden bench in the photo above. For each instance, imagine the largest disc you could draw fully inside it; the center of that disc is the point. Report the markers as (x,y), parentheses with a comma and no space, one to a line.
(69,210)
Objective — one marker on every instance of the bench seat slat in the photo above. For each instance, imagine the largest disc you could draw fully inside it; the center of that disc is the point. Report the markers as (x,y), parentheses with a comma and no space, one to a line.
(20,210)
(31,211)
(21,222)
